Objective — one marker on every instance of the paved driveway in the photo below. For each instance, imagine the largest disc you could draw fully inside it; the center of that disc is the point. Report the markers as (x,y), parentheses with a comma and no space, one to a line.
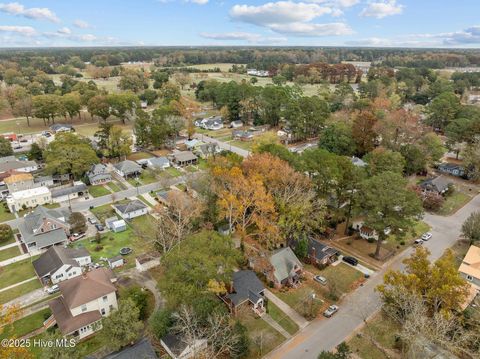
(325,334)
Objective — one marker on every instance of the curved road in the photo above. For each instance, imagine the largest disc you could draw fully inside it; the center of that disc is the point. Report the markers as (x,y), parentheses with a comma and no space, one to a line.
(325,334)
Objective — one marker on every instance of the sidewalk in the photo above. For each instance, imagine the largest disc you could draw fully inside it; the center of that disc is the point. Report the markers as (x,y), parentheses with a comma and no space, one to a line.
(297,318)
(17,284)
(27,299)
(9,246)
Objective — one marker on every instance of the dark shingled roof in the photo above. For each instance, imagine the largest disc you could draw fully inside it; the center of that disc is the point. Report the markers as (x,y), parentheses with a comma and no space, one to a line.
(59,192)
(55,257)
(131,206)
(321,250)
(175,343)
(246,286)
(140,350)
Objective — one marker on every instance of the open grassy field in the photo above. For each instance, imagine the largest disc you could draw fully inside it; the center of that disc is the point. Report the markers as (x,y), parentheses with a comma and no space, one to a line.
(19,290)
(26,324)
(16,272)
(98,191)
(9,253)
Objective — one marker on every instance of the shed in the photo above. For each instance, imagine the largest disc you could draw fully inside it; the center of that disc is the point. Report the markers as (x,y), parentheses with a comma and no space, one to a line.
(115,224)
(115,262)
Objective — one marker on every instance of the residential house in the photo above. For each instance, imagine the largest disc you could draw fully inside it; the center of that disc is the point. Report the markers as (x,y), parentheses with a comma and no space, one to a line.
(285,269)
(242,135)
(67,193)
(44,227)
(245,288)
(128,168)
(191,144)
(439,184)
(98,174)
(115,262)
(83,302)
(59,263)
(19,181)
(236,124)
(211,123)
(28,198)
(43,181)
(141,350)
(206,150)
(452,169)
(158,163)
(131,209)
(320,254)
(258,73)
(178,347)
(61,127)
(10,163)
(115,225)
(184,158)
(470,267)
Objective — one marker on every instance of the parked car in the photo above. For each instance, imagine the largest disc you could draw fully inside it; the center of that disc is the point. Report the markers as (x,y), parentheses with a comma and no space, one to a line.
(418,242)
(350,260)
(99,227)
(53,289)
(92,220)
(76,236)
(331,310)
(320,279)
(426,236)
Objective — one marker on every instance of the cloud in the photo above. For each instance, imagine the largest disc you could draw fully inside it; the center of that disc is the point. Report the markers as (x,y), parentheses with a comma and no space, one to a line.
(81,24)
(20,30)
(243,36)
(36,13)
(287,17)
(382,9)
(64,31)
(470,35)
(313,30)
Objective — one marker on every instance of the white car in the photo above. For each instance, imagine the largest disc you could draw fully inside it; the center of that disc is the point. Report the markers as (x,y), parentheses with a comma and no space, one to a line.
(426,236)
(331,310)
(53,289)
(418,242)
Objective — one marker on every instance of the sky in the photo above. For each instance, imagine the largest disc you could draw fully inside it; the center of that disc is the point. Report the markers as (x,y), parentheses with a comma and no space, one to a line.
(375,23)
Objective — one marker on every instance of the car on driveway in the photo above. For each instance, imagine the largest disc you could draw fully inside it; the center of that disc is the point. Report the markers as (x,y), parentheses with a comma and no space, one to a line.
(350,260)
(331,310)
(53,289)
(92,220)
(418,242)
(320,279)
(76,236)
(99,227)
(426,236)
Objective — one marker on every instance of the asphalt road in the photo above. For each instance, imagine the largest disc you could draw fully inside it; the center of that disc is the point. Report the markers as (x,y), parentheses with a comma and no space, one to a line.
(325,334)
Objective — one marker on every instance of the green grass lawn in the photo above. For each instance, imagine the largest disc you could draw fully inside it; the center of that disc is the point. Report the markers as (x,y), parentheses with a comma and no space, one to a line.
(242,144)
(139,156)
(300,299)
(9,253)
(5,215)
(26,324)
(172,171)
(19,290)
(263,338)
(114,186)
(191,169)
(103,212)
(134,237)
(98,191)
(16,272)
(141,198)
(343,276)
(382,330)
(453,203)
(281,318)
(148,177)
(9,241)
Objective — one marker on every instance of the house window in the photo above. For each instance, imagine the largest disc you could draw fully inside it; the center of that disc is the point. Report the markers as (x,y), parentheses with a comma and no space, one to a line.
(111,307)
(470,278)
(59,276)
(84,308)
(105,299)
(103,311)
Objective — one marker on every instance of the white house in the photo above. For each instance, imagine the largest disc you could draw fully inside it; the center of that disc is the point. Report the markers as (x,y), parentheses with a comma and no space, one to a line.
(158,163)
(59,263)
(10,163)
(131,209)
(84,301)
(116,225)
(127,168)
(28,198)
